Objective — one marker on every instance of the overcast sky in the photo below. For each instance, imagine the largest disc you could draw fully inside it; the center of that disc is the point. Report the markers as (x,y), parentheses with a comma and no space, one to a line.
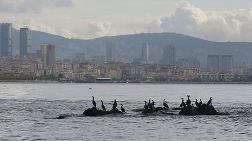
(218,20)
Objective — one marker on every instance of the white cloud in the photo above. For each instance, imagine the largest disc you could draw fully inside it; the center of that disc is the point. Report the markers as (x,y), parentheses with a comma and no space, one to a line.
(212,25)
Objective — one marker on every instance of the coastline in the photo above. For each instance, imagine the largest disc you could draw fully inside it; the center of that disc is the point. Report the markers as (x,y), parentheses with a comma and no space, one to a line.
(119,82)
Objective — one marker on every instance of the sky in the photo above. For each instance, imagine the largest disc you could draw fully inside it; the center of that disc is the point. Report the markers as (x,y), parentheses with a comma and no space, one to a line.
(216,20)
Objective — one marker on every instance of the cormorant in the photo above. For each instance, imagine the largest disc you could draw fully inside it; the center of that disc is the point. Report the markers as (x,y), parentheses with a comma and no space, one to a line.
(93,102)
(197,103)
(165,104)
(209,101)
(149,104)
(115,104)
(145,105)
(200,103)
(182,103)
(188,102)
(122,109)
(153,104)
(103,107)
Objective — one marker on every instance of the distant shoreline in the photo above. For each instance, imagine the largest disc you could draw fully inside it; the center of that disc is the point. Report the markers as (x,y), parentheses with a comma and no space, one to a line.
(172,82)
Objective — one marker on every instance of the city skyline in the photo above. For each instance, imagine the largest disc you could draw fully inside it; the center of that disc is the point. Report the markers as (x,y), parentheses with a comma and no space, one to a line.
(99,18)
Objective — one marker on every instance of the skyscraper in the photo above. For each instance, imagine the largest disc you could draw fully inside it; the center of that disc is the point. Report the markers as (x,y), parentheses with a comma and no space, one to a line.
(6,39)
(169,55)
(25,41)
(145,53)
(48,55)
(220,63)
(110,52)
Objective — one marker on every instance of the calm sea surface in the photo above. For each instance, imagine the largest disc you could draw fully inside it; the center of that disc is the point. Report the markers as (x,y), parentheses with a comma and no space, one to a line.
(28,112)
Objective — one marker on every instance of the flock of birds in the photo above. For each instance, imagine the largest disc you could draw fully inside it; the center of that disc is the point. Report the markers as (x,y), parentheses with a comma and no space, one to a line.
(104,108)
(151,104)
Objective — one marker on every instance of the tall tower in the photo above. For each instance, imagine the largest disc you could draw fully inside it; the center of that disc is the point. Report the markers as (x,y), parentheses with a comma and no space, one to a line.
(48,55)
(110,52)
(169,55)
(145,53)
(6,39)
(24,41)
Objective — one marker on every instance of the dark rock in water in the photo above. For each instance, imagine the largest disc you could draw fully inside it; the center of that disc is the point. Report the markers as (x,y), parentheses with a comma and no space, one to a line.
(178,108)
(202,110)
(188,110)
(62,116)
(95,112)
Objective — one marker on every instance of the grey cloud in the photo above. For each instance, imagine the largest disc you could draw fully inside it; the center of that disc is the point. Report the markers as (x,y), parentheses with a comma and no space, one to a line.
(11,6)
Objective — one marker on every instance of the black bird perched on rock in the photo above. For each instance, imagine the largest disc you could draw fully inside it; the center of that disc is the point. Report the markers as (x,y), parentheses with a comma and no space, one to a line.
(200,103)
(122,109)
(182,103)
(209,101)
(196,103)
(165,104)
(115,104)
(145,105)
(93,102)
(153,104)
(149,104)
(103,107)
(188,102)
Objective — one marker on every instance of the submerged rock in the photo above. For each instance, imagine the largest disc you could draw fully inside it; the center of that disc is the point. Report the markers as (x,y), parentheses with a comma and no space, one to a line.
(157,109)
(96,112)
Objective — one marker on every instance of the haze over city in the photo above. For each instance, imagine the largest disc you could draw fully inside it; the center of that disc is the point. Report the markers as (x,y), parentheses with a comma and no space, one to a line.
(225,20)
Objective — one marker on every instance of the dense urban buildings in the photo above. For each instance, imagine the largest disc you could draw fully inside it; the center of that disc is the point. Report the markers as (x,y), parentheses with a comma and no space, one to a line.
(106,68)
(6,39)
(25,41)
(220,63)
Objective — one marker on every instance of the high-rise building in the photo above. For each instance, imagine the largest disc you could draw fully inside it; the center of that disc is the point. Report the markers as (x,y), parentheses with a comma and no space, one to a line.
(220,63)
(80,57)
(169,55)
(6,39)
(48,55)
(110,52)
(25,41)
(145,53)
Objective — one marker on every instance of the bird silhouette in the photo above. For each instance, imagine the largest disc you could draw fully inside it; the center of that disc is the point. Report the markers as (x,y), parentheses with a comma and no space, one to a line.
(122,109)
(93,102)
(103,107)
(165,104)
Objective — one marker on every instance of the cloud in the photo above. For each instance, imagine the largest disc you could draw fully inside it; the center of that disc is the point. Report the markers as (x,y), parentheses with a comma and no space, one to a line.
(16,6)
(232,25)
(99,29)
(41,26)
(188,19)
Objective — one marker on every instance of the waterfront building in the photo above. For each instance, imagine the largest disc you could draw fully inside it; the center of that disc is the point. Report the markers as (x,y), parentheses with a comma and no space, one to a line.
(80,57)
(220,63)
(169,55)
(110,52)
(145,53)
(48,55)
(24,41)
(6,39)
